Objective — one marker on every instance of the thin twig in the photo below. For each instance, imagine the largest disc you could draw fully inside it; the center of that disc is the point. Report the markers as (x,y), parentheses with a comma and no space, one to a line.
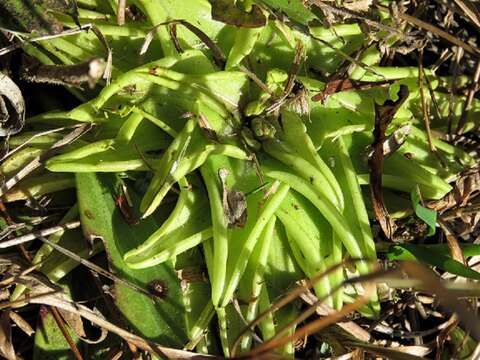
(425,111)
(61,325)
(443,34)
(68,32)
(96,268)
(39,233)
(38,161)
(36,135)
(456,65)
(346,12)
(105,324)
(122,4)
(468,103)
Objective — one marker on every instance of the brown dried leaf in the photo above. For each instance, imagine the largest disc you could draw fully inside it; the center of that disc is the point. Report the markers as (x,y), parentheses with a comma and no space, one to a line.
(11,122)
(432,283)
(21,323)
(74,321)
(234,203)
(348,326)
(6,346)
(465,187)
(383,116)
(98,319)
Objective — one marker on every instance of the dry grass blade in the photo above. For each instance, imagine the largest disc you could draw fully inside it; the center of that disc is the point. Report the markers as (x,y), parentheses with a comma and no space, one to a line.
(327,8)
(391,353)
(6,346)
(38,161)
(453,245)
(33,137)
(26,300)
(217,53)
(468,103)
(425,111)
(318,324)
(464,190)
(18,45)
(383,116)
(288,298)
(100,321)
(443,34)
(97,268)
(21,323)
(107,74)
(432,283)
(324,310)
(470,11)
(66,335)
(37,234)
(122,4)
(292,73)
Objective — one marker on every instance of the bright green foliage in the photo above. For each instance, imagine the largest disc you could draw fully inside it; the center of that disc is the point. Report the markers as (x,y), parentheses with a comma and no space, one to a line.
(195,122)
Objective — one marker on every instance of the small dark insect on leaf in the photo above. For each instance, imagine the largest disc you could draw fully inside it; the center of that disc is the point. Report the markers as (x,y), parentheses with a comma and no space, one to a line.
(234,203)
(383,116)
(158,288)
(227,12)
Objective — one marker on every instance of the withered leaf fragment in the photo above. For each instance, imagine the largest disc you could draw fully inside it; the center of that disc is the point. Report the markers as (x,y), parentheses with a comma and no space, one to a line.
(383,116)
(6,347)
(71,75)
(227,12)
(234,203)
(12,107)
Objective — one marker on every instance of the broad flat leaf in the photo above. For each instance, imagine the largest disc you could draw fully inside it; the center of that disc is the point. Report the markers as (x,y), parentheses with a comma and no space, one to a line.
(429,216)
(158,321)
(429,255)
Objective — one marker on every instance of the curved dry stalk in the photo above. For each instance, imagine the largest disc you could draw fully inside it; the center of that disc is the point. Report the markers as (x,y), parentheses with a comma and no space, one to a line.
(100,321)
(316,325)
(291,296)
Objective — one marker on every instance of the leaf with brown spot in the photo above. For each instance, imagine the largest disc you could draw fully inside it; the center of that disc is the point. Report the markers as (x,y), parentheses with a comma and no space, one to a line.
(383,116)
(158,318)
(227,12)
